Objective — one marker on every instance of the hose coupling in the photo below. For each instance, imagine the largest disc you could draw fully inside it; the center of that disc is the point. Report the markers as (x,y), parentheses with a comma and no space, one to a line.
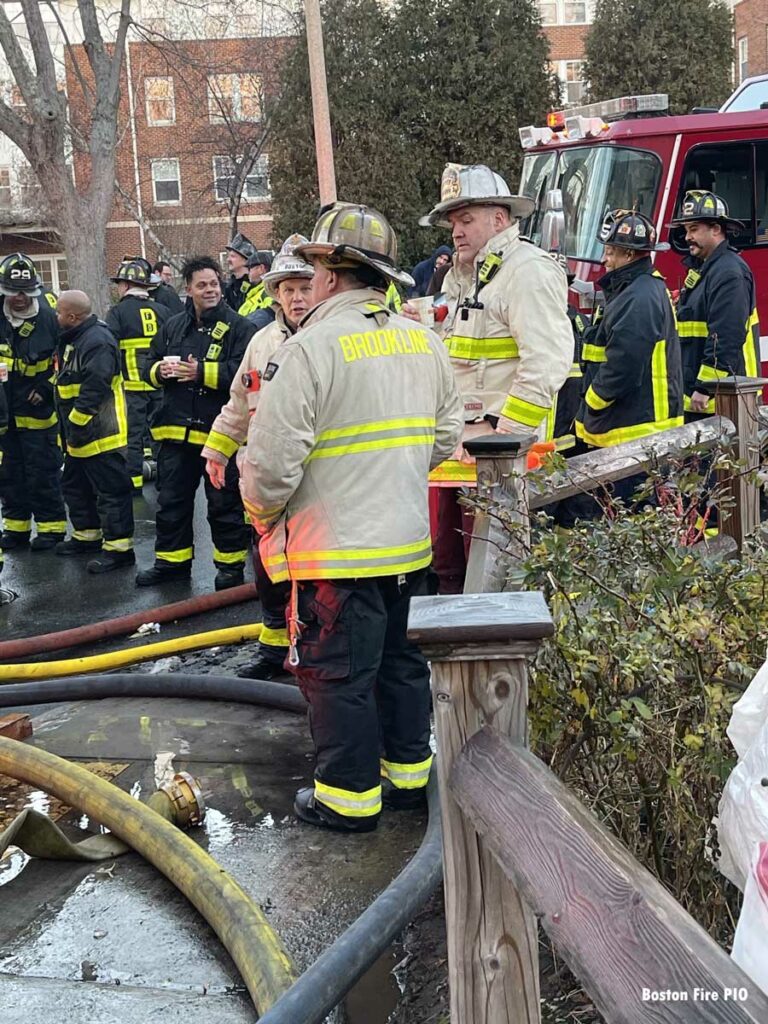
(186,799)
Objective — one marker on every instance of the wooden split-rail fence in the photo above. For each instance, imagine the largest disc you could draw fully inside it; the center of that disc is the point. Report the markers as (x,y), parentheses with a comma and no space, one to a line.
(519,848)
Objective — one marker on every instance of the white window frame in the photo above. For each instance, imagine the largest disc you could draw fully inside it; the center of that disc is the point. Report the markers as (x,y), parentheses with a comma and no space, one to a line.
(155,181)
(743,45)
(561,70)
(215,115)
(560,10)
(164,122)
(6,187)
(52,268)
(260,169)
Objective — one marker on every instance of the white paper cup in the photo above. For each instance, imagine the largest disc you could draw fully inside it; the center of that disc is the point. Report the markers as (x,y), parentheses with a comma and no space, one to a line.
(3,372)
(173,362)
(425,308)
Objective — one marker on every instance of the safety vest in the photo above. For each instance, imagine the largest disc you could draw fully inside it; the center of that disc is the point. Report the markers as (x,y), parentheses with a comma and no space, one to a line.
(89,390)
(717,322)
(632,368)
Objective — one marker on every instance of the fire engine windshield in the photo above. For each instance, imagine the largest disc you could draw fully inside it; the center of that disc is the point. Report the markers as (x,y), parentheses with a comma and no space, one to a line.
(593,180)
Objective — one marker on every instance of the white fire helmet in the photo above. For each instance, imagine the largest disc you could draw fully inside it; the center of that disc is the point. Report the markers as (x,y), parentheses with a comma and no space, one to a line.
(474,185)
(287,264)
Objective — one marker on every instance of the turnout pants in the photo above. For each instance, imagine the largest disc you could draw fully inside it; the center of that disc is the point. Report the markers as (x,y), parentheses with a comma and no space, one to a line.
(30,482)
(180,467)
(274,598)
(141,405)
(99,497)
(367,687)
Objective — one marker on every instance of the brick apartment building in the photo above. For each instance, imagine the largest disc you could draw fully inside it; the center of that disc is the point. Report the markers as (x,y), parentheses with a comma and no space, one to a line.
(750,34)
(188,110)
(566,23)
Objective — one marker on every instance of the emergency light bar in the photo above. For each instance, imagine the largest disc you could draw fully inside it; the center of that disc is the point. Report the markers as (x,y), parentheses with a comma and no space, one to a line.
(530,136)
(615,109)
(584,127)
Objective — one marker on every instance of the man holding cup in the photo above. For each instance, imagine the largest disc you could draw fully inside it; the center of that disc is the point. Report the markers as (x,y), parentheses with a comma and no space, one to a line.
(194,359)
(507,333)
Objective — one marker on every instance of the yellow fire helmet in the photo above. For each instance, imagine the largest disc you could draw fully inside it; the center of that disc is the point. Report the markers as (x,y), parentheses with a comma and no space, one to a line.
(287,264)
(474,185)
(349,234)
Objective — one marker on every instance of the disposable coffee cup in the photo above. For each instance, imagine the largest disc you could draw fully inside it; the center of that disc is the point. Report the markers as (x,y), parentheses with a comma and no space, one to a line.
(425,309)
(3,372)
(173,362)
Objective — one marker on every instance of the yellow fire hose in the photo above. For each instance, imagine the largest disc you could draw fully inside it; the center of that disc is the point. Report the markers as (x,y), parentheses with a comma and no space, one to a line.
(238,922)
(129,656)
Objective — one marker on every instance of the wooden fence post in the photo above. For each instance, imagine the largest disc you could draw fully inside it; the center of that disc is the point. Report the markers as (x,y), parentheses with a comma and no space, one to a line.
(737,398)
(478,645)
(496,550)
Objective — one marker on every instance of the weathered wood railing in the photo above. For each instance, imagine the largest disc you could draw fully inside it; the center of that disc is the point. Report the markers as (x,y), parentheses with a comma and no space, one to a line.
(518,846)
(496,552)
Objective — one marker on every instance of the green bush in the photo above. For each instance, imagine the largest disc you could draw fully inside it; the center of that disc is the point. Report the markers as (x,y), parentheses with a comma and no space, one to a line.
(630,699)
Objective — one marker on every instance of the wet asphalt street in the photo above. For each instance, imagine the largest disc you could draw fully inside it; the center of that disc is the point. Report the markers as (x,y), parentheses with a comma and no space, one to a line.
(116,943)
(57,593)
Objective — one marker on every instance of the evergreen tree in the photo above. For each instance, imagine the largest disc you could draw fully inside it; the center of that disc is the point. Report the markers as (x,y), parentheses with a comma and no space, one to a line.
(680,47)
(411,87)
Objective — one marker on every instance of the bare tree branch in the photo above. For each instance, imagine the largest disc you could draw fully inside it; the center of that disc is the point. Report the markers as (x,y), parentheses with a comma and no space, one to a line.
(131,207)
(20,69)
(113,87)
(93,41)
(41,50)
(88,93)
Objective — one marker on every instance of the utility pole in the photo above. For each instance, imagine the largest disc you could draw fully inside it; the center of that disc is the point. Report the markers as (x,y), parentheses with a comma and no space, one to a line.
(326,174)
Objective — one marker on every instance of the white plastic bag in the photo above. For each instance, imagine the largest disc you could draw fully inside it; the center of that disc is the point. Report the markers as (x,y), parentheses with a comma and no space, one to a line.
(750,946)
(749,713)
(742,820)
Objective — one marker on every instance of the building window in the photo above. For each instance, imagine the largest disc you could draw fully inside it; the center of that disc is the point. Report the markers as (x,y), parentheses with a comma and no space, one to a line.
(5,188)
(564,12)
(574,82)
(234,98)
(571,76)
(166,182)
(256,184)
(161,107)
(53,272)
(743,58)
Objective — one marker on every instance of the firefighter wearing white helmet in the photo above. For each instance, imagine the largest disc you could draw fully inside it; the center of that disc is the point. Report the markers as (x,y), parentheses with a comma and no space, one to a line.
(289,284)
(353,412)
(507,332)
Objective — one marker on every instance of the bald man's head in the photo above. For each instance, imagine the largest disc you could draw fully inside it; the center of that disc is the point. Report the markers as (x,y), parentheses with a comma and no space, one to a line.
(72,308)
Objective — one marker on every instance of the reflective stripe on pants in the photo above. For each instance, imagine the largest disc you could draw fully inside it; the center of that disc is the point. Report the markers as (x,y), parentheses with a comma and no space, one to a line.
(365,683)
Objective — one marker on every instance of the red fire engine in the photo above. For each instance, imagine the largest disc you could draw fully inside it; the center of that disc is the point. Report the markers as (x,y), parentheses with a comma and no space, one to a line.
(627,153)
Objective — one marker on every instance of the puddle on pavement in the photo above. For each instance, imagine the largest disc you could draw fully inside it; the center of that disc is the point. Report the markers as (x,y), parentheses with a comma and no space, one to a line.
(375,997)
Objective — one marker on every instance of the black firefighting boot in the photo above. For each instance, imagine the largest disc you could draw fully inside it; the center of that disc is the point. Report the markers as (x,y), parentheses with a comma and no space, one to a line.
(403,799)
(162,574)
(77,547)
(226,578)
(111,560)
(315,813)
(46,541)
(10,539)
(263,667)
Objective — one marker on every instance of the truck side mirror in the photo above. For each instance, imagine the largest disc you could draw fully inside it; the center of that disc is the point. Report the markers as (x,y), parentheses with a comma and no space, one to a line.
(553,222)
